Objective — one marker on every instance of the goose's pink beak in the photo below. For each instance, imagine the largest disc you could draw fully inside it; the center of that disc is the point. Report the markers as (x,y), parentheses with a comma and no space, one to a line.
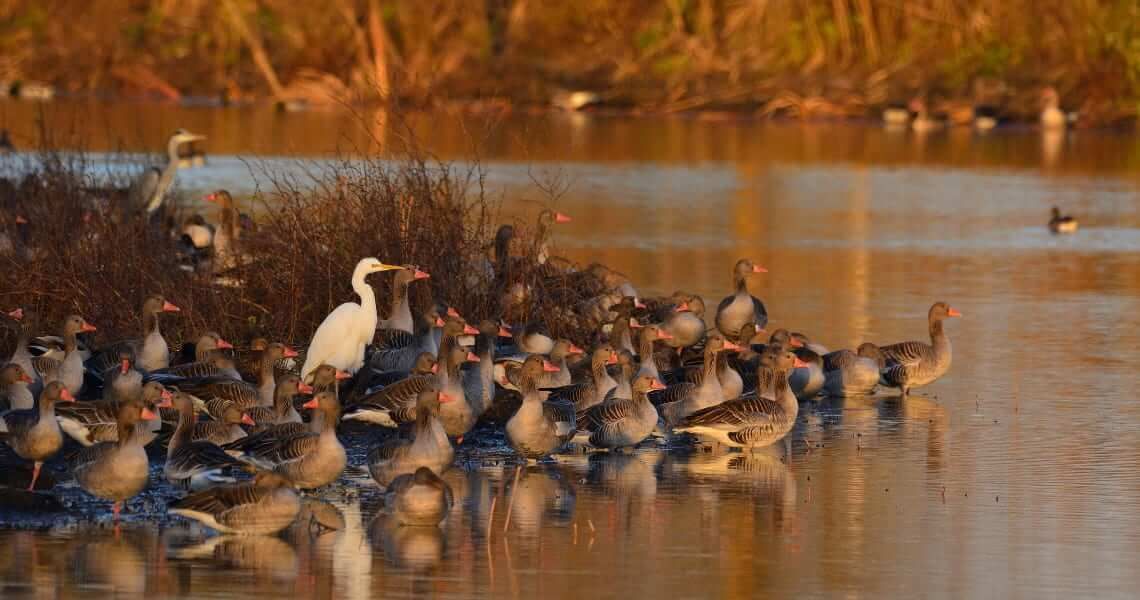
(124,366)
(471,357)
(224,345)
(664,335)
(17,314)
(656,385)
(469,330)
(504,332)
(247,420)
(444,397)
(290,353)
(27,379)
(304,388)
(311,404)
(953,312)
(211,197)
(66,395)
(633,324)
(168,306)
(575,350)
(451,312)
(435,368)
(421,275)
(682,307)
(20,220)
(796,343)
(87,327)
(758,269)
(342,375)
(147,414)
(612,360)
(438,322)
(799,364)
(638,304)
(549,367)
(731,346)
(561,218)
(167,399)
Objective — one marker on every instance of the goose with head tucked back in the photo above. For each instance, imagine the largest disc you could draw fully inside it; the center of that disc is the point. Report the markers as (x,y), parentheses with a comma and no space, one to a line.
(848,373)
(262,507)
(806,381)
(914,364)
(341,338)
(34,433)
(428,446)
(742,307)
(418,499)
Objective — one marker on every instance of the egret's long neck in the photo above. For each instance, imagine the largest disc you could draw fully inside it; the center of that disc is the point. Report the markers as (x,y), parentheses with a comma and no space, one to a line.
(367,295)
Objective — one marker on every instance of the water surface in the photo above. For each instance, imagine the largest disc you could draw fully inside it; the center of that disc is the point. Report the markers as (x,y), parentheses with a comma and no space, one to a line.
(1014,476)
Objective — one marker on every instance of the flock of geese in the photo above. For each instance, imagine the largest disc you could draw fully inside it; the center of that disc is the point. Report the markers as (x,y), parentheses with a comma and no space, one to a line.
(654,370)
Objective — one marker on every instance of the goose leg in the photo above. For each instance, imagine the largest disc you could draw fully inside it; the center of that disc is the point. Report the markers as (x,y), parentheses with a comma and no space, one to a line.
(35,475)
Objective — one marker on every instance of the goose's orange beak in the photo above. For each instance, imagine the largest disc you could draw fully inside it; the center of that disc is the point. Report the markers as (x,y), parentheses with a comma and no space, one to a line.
(451,312)
(147,414)
(224,345)
(247,420)
(731,346)
(638,304)
(682,307)
(438,322)
(211,197)
(290,353)
(421,275)
(444,397)
(758,269)
(66,396)
(87,327)
(664,335)
(575,350)
(633,324)
(953,312)
(435,368)
(17,314)
(656,385)
(124,366)
(799,364)
(612,360)
(472,357)
(167,399)
(311,404)
(469,330)
(561,218)
(20,220)
(304,388)
(504,332)
(26,378)
(550,367)
(796,343)
(342,375)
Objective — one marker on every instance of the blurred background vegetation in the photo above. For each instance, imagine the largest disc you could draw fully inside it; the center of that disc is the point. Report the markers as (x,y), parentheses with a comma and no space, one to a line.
(796,57)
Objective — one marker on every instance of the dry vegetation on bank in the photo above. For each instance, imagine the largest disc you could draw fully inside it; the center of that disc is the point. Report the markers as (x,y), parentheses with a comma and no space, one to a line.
(797,57)
(309,235)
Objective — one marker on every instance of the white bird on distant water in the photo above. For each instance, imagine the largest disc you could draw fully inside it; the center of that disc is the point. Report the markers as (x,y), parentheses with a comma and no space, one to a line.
(149,189)
(341,338)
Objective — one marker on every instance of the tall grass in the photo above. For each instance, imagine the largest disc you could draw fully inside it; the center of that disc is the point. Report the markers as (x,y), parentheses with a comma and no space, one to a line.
(662,54)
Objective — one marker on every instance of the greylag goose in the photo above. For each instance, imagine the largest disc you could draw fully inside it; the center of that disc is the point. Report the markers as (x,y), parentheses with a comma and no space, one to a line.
(419,498)
(116,471)
(267,370)
(539,428)
(532,338)
(92,422)
(207,345)
(227,236)
(742,307)
(683,399)
(14,391)
(623,422)
(623,373)
(264,506)
(151,351)
(1059,223)
(122,381)
(397,351)
(195,464)
(242,393)
(226,426)
(479,382)
(429,446)
(914,364)
(309,460)
(800,340)
(282,411)
(650,335)
(343,335)
(685,322)
(70,369)
(808,380)
(848,373)
(594,390)
(923,121)
(34,433)
(756,420)
(216,365)
(26,323)
(400,317)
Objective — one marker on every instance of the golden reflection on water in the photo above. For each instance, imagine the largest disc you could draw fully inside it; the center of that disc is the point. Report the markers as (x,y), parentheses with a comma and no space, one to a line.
(1014,476)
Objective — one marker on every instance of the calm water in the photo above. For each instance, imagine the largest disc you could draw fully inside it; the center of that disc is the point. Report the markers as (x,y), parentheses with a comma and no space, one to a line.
(1014,476)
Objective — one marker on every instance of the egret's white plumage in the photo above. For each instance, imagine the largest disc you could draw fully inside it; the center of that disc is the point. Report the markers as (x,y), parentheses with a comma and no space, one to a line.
(341,338)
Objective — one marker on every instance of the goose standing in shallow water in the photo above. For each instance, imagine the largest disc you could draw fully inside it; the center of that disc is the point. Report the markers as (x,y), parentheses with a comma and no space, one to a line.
(429,446)
(539,428)
(309,460)
(116,471)
(264,506)
(742,307)
(680,400)
(419,498)
(1059,223)
(341,338)
(623,422)
(756,420)
(34,433)
(913,364)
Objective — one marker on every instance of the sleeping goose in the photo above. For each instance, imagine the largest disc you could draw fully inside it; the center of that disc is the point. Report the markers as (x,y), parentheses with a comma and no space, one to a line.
(262,507)
(848,373)
(914,364)
(420,498)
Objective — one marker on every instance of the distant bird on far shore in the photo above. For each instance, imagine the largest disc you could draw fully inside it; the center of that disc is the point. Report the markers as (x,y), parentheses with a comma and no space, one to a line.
(1062,223)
